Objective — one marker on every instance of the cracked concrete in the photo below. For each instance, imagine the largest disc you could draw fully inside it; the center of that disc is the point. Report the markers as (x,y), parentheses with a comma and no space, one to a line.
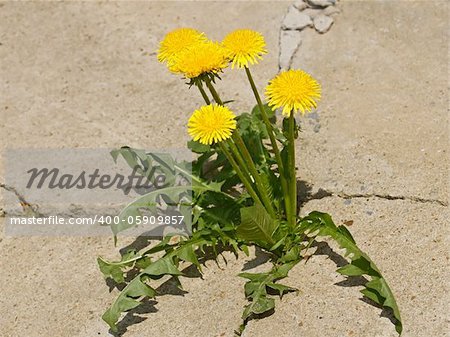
(389,142)
(392,197)
(26,208)
(375,153)
(322,193)
(299,16)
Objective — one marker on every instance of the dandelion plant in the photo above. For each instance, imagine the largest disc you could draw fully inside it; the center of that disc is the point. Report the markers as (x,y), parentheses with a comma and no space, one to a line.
(244,183)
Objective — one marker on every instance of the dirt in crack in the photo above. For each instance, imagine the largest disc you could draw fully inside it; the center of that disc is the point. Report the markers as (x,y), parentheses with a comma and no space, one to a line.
(322,193)
(28,209)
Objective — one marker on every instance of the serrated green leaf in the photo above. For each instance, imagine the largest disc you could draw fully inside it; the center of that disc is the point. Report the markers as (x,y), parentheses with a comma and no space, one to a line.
(377,288)
(217,208)
(256,288)
(140,289)
(163,266)
(148,201)
(250,288)
(149,165)
(350,270)
(380,285)
(137,289)
(112,315)
(291,255)
(255,277)
(278,244)
(112,271)
(127,300)
(198,147)
(259,306)
(257,225)
(372,295)
(344,231)
(281,271)
(269,112)
(187,253)
(281,288)
(244,248)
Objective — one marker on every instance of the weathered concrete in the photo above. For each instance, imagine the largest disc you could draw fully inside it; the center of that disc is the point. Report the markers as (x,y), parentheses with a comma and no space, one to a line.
(296,19)
(85,75)
(383,115)
(290,41)
(299,17)
(322,23)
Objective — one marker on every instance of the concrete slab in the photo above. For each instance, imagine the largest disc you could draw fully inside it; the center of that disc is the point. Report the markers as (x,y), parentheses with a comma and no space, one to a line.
(407,240)
(383,119)
(84,75)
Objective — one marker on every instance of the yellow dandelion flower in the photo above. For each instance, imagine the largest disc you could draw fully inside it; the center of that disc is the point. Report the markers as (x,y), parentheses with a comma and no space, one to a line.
(201,58)
(244,47)
(211,124)
(176,41)
(293,90)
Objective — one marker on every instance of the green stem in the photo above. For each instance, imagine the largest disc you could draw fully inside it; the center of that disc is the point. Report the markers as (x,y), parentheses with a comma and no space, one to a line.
(240,160)
(213,91)
(256,176)
(273,141)
(202,91)
(248,159)
(241,176)
(292,173)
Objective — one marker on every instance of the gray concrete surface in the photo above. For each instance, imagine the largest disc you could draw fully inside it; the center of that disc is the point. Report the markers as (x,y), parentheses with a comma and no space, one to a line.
(85,75)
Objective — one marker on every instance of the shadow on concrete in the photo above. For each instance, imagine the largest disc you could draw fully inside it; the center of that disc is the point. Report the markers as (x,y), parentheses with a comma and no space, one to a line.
(148,306)
(170,287)
(351,281)
(261,257)
(133,317)
(304,193)
(324,249)
(385,312)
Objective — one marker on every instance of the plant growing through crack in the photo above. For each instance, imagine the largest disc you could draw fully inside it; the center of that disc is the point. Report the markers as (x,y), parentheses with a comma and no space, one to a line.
(243,189)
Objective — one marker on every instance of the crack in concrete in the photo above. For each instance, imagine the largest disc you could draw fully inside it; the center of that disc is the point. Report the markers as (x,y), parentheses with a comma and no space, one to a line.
(322,193)
(280,31)
(302,15)
(393,197)
(28,208)
(280,46)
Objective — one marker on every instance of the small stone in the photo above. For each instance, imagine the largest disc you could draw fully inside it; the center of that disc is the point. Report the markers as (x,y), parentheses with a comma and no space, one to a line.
(321,3)
(314,115)
(290,40)
(295,20)
(312,12)
(300,5)
(317,128)
(331,10)
(322,23)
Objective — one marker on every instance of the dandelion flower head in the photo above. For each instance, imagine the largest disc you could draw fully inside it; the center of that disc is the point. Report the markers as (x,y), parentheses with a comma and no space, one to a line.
(244,47)
(176,41)
(211,124)
(293,90)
